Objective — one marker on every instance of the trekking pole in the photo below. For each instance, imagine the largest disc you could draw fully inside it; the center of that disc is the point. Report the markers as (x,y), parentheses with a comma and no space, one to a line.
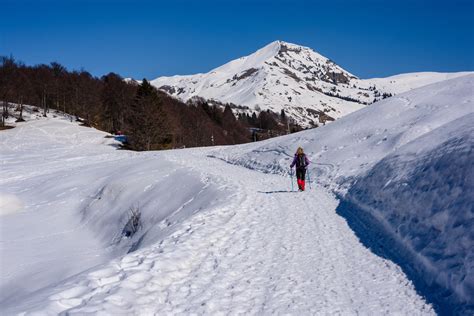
(291,178)
(309,180)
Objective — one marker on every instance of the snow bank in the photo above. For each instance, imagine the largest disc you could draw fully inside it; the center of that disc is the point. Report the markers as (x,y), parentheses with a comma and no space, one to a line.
(409,160)
(70,195)
(423,195)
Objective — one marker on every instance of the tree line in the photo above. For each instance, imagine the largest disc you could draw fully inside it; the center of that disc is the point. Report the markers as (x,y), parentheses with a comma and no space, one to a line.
(150,118)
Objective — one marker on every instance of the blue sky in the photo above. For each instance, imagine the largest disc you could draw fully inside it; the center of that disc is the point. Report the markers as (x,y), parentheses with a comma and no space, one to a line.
(371,38)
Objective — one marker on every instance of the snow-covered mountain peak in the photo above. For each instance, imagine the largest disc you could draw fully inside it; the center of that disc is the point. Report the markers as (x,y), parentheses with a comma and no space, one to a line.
(255,60)
(308,61)
(308,86)
(279,76)
(285,57)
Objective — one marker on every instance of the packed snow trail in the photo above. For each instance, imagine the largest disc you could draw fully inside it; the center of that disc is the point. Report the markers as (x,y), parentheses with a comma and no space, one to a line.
(266,251)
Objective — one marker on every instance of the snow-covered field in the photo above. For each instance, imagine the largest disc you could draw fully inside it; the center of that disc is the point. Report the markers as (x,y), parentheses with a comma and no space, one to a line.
(67,195)
(214,238)
(219,237)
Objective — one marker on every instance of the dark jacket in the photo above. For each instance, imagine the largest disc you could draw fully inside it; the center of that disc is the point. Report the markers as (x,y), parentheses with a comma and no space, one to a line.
(302,162)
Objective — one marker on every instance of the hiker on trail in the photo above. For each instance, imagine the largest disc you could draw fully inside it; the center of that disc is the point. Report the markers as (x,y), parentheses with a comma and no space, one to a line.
(301,162)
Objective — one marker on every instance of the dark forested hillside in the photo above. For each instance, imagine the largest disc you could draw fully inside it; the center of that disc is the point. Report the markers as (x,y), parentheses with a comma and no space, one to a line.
(150,118)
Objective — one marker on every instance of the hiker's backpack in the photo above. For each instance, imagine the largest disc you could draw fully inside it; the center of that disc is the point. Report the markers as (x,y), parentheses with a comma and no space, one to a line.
(300,161)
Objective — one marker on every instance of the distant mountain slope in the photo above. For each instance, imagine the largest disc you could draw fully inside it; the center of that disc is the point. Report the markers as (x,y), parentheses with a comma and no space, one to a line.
(308,86)
(406,82)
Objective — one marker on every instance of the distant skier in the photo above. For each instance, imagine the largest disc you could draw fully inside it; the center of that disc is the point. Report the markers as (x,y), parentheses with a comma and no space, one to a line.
(301,162)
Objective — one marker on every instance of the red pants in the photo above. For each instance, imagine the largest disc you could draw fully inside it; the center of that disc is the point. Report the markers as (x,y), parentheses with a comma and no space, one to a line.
(301,184)
(300,175)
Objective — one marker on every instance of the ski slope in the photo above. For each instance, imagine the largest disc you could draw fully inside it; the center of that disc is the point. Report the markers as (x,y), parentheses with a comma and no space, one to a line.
(215,237)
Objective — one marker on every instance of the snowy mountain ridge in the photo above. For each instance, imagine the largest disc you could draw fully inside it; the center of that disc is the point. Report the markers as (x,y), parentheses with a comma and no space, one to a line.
(309,87)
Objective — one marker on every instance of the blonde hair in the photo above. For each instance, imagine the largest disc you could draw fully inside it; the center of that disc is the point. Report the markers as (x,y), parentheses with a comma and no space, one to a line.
(299,151)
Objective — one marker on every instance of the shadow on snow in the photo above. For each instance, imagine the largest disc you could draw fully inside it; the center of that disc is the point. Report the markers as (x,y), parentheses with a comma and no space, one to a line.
(372,236)
(277,191)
